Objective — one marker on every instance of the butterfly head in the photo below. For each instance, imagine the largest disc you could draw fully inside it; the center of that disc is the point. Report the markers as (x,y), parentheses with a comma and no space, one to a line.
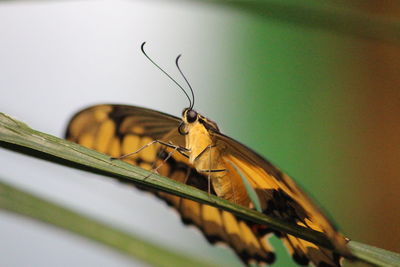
(191,118)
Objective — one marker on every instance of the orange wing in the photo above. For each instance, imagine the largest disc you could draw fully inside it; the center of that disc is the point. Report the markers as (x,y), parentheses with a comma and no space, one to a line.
(118,130)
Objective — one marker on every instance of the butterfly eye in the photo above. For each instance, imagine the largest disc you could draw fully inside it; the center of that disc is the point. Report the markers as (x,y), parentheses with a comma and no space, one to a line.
(181,129)
(191,116)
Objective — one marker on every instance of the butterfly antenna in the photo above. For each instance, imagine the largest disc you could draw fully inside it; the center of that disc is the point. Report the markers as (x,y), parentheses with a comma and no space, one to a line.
(169,76)
(187,82)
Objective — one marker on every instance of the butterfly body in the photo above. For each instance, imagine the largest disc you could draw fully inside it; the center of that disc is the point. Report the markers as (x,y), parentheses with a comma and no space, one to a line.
(192,150)
(207,154)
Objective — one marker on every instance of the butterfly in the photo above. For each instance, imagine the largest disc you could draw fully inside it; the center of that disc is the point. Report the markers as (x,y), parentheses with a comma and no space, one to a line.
(192,150)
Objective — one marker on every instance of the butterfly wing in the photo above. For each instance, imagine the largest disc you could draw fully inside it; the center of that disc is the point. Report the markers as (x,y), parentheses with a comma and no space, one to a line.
(281,197)
(119,130)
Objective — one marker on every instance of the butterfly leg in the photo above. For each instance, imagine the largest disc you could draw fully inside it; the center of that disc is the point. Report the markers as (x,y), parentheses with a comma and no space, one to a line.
(155,170)
(181,150)
(204,151)
(209,171)
(209,167)
(165,159)
(208,148)
(213,170)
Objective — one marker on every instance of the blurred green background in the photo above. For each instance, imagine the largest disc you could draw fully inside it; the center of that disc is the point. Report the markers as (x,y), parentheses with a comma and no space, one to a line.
(319,99)
(325,107)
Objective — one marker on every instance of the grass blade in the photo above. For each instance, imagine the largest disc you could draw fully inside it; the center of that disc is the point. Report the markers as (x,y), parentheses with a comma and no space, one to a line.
(17,201)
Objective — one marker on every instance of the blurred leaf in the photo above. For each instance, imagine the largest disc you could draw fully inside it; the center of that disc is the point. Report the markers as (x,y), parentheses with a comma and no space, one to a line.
(14,200)
(18,136)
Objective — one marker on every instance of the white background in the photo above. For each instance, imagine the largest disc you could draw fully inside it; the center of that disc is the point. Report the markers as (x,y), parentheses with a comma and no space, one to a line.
(58,57)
